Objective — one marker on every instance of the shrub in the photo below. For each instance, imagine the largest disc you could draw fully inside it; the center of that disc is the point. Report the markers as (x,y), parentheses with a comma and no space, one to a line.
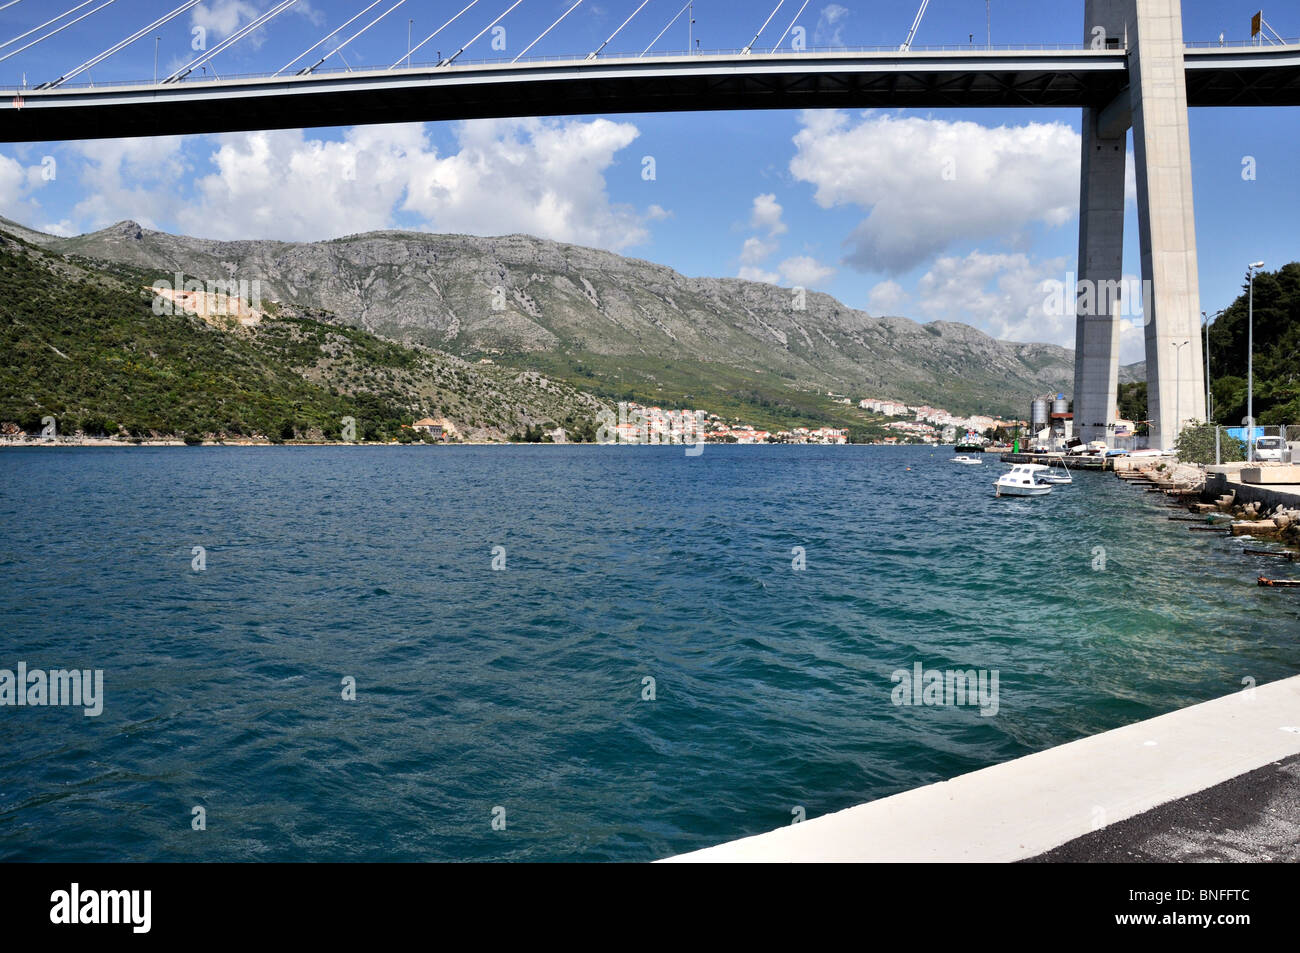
(1196,445)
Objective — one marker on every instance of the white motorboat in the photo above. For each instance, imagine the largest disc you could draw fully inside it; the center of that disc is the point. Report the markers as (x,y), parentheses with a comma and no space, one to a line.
(1022,480)
(966,460)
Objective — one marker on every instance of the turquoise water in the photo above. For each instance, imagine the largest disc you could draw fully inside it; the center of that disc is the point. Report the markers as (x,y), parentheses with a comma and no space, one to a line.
(522,688)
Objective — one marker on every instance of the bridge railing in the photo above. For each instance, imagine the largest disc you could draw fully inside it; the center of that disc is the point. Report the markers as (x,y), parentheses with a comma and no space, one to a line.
(428,66)
(423,67)
(1237,44)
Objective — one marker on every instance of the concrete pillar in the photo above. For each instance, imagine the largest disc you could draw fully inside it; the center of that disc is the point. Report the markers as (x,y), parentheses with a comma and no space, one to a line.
(1101,247)
(1157,109)
(1167,226)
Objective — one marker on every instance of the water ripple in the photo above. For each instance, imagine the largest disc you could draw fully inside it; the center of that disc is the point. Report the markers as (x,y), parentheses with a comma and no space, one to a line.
(523,689)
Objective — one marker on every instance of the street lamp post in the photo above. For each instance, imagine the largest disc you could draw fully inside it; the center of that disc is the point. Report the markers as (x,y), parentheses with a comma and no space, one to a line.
(1209,394)
(409,24)
(1178,382)
(1250,364)
(155,59)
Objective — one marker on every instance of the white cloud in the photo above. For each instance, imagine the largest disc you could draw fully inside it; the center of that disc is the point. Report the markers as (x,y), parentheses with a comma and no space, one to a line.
(888,297)
(539,177)
(830,26)
(139,179)
(223,17)
(543,177)
(1013,297)
(750,273)
(766,215)
(1002,294)
(927,184)
(536,176)
(756,250)
(63,227)
(283,185)
(804,271)
(220,18)
(16,184)
(20,184)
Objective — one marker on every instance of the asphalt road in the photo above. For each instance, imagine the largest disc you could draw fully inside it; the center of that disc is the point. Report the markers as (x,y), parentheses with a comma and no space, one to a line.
(1252,818)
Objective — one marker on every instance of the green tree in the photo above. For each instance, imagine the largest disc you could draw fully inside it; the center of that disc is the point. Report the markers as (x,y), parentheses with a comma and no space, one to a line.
(1196,445)
(1277,342)
(1131,400)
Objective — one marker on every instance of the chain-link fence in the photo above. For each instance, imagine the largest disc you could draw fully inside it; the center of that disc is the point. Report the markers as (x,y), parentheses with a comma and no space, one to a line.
(1131,442)
(1273,443)
(1265,443)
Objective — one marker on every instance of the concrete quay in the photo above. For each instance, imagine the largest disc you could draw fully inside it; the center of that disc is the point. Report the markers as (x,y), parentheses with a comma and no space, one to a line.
(1024,808)
(1265,486)
(1077,462)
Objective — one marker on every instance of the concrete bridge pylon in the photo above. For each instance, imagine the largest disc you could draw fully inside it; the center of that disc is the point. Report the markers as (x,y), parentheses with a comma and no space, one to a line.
(1155,106)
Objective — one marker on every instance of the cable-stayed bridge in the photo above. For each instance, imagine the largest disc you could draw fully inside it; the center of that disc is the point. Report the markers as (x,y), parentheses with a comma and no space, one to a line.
(1134,70)
(1242,76)
(318,87)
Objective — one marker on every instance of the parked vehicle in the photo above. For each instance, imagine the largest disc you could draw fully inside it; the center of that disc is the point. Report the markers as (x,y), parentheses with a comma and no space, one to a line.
(1272,450)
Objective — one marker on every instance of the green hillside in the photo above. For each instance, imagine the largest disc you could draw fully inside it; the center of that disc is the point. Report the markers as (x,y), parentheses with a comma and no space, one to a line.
(530,302)
(82,343)
(1277,351)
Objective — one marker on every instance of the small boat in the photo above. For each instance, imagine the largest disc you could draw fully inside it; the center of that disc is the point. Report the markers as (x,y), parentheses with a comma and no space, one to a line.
(1055,476)
(1280,583)
(965,459)
(1022,480)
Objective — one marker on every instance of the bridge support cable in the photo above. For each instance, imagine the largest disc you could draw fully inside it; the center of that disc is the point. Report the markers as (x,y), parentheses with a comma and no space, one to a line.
(6,6)
(313,67)
(230,41)
(451,59)
(40,39)
(686,7)
(547,30)
(596,52)
(407,57)
(327,36)
(1268,26)
(911,34)
(121,44)
(65,13)
(745,51)
(791,26)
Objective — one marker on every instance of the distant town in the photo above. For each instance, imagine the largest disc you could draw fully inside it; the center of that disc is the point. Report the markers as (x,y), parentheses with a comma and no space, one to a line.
(926,424)
(923,424)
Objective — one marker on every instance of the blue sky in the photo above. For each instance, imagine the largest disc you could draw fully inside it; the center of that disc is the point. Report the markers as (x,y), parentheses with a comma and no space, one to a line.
(844,202)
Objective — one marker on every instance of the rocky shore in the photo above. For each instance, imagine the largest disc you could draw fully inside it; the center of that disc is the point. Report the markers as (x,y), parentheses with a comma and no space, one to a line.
(1214,494)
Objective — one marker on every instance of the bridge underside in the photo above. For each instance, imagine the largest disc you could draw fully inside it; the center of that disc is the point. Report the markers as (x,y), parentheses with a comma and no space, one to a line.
(1071,79)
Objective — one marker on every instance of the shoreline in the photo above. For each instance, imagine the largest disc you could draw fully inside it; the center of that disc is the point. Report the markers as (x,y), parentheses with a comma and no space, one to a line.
(1171,787)
(1032,805)
(173,442)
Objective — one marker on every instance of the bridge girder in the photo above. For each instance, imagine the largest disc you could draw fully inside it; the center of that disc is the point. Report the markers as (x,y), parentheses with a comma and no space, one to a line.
(1061,79)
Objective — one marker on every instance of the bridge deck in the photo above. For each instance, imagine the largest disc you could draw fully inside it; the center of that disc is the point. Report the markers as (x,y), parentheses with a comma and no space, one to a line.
(1259,76)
